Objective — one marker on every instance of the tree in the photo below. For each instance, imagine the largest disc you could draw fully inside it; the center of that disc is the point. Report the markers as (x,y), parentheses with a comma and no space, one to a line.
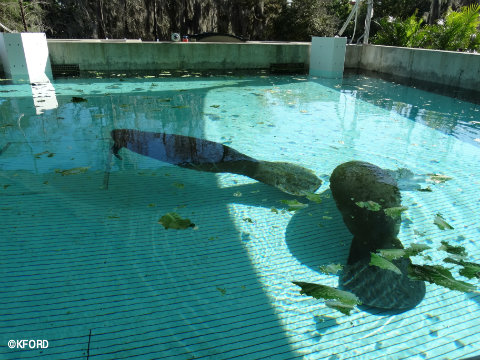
(19,15)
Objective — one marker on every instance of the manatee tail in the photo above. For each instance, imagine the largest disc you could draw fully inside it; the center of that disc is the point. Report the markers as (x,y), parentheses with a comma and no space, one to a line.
(381,288)
(290,178)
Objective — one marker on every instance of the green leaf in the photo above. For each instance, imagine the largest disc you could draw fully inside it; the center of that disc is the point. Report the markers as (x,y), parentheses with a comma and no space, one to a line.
(249,220)
(331,269)
(369,205)
(178,185)
(327,293)
(383,263)
(345,309)
(174,221)
(274,210)
(74,171)
(438,178)
(294,205)
(470,270)
(455,250)
(441,223)
(393,254)
(395,212)
(427,189)
(436,274)
(317,198)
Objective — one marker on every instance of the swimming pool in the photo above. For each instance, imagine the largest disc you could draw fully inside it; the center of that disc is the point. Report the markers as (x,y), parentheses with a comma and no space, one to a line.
(87,266)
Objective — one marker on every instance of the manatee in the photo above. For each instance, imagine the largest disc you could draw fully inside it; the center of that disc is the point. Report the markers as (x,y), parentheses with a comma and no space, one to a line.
(204,155)
(361,192)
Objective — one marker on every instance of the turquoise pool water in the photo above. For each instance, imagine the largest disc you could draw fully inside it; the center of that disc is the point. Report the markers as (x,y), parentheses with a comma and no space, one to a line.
(86,265)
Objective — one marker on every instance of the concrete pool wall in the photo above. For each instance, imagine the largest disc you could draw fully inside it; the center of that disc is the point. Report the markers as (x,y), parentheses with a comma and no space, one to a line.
(447,68)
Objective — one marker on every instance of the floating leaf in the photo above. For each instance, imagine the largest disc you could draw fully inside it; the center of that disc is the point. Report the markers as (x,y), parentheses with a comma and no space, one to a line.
(395,212)
(180,107)
(383,263)
(345,309)
(369,205)
(441,223)
(178,185)
(470,270)
(393,254)
(237,194)
(223,291)
(174,221)
(455,250)
(74,171)
(343,299)
(76,99)
(317,198)
(248,220)
(427,189)
(436,274)
(274,210)
(438,178)
(215,106)
(294,205)
(331,269)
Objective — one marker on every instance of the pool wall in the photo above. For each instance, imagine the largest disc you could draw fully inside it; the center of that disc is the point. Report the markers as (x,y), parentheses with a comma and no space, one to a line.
(96,55)
(448,68)
(461,70)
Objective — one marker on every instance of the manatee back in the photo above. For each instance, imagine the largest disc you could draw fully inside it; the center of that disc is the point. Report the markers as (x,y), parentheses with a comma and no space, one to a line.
(356,184)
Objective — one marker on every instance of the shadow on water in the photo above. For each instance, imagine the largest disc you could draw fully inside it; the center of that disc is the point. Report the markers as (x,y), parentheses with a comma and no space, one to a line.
(187,299)
(317,236)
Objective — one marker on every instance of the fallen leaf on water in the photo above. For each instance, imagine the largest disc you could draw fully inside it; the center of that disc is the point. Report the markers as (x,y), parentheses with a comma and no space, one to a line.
(174,221)
(331,269)
(369,205)
(438,178)
(381,262)
(455,250)
(294,205)
(74,171)
(441,223)
(436,274)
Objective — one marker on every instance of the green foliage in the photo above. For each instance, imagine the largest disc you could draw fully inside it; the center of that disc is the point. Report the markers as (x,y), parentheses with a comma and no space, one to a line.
(10,15)
(395,32)
(458,31)
(306,18)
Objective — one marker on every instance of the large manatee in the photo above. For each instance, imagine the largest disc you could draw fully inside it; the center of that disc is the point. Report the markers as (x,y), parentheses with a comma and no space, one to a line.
(353,185)
(205,155)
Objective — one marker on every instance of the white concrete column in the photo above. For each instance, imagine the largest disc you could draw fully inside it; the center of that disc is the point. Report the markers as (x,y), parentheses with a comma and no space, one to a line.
(327,56)
(25,57)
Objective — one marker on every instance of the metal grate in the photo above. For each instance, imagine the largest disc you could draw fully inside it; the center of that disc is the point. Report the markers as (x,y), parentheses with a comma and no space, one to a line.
(61,70)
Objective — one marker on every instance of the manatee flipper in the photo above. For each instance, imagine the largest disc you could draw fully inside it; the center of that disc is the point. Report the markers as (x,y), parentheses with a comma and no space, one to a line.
(204,155)
(353,185)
